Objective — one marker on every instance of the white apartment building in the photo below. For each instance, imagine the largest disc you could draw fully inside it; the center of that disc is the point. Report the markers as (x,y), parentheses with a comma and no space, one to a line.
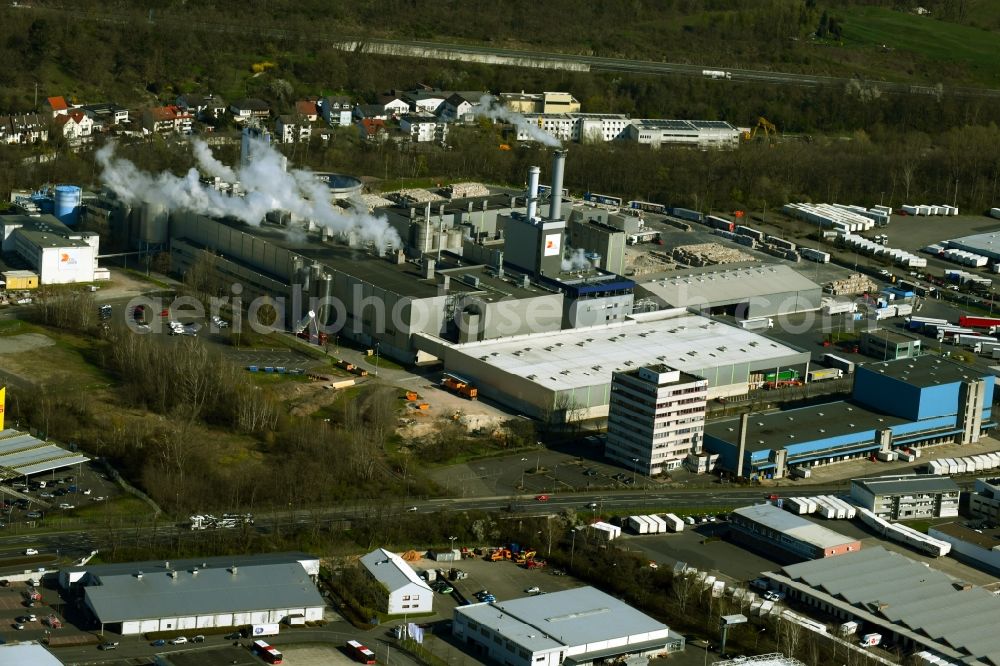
(656,417)
(584,127)
(423,127)
(907,496)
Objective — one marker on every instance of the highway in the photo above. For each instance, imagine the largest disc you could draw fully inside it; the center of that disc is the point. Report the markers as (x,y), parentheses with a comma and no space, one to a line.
(515,57)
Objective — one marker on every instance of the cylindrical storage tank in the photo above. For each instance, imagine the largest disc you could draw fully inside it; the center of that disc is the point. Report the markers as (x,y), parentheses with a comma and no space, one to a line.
(153,223)
(67,203)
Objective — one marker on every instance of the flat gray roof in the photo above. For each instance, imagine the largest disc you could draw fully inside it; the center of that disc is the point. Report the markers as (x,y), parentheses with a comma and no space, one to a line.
(902,591)
(582,357)
(988,539)
(221,562)
(707,286)
(25,654)
(905,484)
(391,570)
(572,617)
(798,528)
(889,335)
(925,371)
(124,597)
(777,430)
(986,244)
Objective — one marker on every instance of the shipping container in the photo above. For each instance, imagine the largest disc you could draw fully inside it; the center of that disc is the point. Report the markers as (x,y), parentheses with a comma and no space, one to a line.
(834,361)
(821,374)
(815,255)
(686,214)
(674,524)
(661,525)
(638,524)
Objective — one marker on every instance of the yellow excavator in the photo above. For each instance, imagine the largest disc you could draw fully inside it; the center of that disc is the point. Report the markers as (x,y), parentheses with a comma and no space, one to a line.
(763,125)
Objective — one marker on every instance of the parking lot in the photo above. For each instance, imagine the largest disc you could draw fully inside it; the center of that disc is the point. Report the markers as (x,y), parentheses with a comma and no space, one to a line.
(34,619)
(29,502)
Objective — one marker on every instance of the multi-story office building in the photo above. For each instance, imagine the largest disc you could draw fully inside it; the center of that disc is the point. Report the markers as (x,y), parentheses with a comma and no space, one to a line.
(907,496)
(656,418)
(985,501)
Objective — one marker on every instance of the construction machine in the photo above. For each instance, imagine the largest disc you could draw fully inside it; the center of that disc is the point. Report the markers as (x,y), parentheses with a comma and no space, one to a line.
(763,125)
(308,329)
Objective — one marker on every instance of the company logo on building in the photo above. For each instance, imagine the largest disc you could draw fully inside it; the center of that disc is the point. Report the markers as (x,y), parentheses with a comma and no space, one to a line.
(552,245)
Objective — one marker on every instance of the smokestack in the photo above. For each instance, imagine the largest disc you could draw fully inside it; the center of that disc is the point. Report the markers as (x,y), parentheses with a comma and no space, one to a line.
(533,192)
(428,269)
(400,257)
(441,211)
(741,446)
(558,166)
(427,211)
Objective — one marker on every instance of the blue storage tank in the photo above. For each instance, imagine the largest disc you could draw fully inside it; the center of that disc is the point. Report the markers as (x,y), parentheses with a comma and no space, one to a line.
(67,204)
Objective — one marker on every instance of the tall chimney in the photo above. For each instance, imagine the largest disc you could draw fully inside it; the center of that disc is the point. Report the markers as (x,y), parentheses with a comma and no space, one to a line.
(427,211)
(741,445)
(555,202)
(428,268)
(533,192)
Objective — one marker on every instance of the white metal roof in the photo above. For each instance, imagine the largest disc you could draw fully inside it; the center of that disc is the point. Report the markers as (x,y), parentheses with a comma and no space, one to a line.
(573,618)
(705,287)
(794,526)
(26,454)
(581,357)
(391,570)
(29,652)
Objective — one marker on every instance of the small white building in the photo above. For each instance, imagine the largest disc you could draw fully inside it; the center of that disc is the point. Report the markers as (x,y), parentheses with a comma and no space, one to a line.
(56,253)
(406,591)
(337,110)
(907,496)
(293,129)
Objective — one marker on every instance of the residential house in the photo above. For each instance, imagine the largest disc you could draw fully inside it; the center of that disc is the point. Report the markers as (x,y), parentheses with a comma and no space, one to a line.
(75,125)
(423,127)
(370,112)
(308,108)
(56,106)
(26,128)
(405,591)
(460,106)
(393,105)
(373,129)
(425,101)
(247,109)
(202,106)
(105,115)
(293,129)
(170,118)
(337,109)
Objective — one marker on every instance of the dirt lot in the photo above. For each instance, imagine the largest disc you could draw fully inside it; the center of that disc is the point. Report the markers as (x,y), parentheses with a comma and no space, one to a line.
(314,655)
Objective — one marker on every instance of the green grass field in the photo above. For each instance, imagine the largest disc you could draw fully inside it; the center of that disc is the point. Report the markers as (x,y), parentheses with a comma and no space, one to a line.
(938,43)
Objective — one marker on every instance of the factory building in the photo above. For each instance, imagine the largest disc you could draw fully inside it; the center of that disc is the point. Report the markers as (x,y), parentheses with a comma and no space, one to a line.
(746,293)
(143,597)
(910,604)
(769,527)
(701,133)
(986,245)
(575,627)
(984,501)
(52,250)
(907,496)
(579,127)
(566,375)
(656,416)
(405,591)
(976,547)
(899,404)
(24,653)
(889,345)
(604,244)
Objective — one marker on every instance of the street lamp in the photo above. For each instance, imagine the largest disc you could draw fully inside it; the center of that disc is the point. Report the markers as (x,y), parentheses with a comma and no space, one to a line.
(376,358)
(523,470)
(451,539)
(757,637)
(635,463)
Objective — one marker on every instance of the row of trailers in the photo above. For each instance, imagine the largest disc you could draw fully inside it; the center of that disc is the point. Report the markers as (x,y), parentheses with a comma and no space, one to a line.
(827,506)
(653,524)
(977,334)
(750,237)
(904,534)
(968,465)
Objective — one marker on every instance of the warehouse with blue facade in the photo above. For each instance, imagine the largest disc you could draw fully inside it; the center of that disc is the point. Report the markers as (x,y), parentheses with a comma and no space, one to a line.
(909,403)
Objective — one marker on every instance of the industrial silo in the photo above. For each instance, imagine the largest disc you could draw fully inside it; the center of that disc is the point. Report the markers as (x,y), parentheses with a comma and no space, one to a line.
(153,223)
(67,204)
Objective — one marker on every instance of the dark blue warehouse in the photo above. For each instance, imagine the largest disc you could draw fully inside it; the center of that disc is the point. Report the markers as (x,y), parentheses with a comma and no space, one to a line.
(898,404)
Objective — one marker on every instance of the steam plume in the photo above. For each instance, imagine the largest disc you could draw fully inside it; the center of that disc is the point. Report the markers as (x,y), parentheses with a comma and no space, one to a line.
(575,260)
(488,107)
(267,184)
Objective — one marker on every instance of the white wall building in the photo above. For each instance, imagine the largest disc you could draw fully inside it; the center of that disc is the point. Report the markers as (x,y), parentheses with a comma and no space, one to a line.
(579,626)
(584,127)
(293,129)
(984,502)
(407,592)
(423,127)
(58,254)
(907,496)
(144,597)
(656,417)
(703,133)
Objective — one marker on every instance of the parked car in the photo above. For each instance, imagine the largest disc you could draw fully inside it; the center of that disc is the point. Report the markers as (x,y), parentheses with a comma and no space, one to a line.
(34,515)
(107,646)
(235,636)
(158,643)
(542,498)
(180,640)
(31,551)
(198,639)
(534,589)
(19,626)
